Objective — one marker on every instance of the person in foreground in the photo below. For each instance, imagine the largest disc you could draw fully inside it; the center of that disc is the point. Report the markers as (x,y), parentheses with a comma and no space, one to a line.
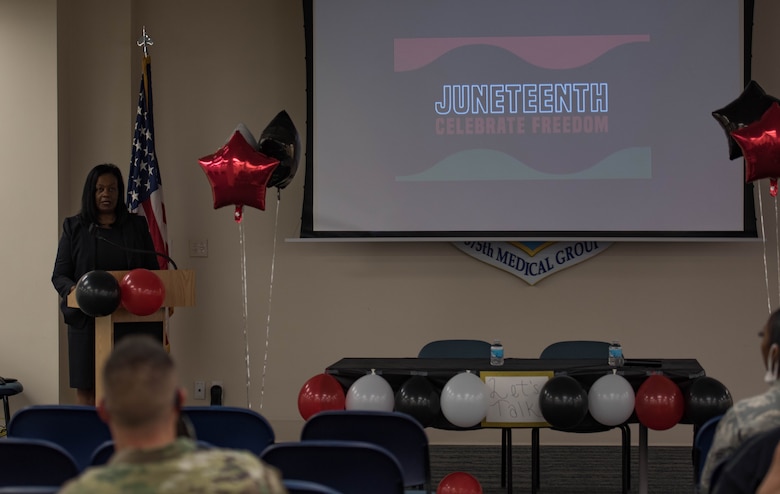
(103,215)
(771,482)
(751,416)
(744,470)
(141,407)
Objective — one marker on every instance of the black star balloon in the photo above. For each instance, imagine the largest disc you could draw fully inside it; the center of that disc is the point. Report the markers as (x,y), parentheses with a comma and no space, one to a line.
(746,109)
(280,140)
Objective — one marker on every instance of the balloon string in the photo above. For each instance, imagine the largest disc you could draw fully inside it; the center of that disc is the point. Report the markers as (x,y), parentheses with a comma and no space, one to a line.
(246,305)
(763,237)
(777,242)
(270,297)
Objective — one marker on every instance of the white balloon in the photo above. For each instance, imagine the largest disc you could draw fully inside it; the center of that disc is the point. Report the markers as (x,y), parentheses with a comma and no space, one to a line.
(611,400)
(464,400)
(370,392)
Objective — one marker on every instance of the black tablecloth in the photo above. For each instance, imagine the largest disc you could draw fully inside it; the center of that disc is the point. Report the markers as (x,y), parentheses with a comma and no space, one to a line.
(397,370)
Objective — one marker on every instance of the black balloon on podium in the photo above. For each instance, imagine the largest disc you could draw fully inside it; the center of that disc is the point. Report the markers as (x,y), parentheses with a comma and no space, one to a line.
(706,398)
(418,398)
(563,402)
(98,293)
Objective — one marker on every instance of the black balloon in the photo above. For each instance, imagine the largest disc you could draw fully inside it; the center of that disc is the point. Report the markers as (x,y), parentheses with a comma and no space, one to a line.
(746,109)
(280,140)
(563,402)
(418,398)
(706,398)
(98,293)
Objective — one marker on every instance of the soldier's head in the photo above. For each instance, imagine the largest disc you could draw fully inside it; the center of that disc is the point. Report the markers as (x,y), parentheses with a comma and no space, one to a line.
(140,385)
(770,345)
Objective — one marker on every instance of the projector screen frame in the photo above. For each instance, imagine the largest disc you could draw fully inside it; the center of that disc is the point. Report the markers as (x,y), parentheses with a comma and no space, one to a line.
(308,232)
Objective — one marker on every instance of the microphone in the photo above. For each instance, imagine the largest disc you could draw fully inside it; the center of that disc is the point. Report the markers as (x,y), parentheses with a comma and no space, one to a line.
(94,230)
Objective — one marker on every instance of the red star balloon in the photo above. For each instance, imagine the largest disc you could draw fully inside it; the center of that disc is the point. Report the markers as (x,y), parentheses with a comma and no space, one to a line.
(760,144)
(238,175)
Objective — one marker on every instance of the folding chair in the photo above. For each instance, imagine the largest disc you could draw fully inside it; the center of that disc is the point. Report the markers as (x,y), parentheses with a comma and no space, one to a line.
(399,433)
(351,467)
(464,348)
(581,349)
(76,428)
(231,427)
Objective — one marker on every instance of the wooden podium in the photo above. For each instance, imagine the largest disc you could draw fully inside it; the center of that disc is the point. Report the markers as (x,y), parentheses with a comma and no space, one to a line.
(179,292)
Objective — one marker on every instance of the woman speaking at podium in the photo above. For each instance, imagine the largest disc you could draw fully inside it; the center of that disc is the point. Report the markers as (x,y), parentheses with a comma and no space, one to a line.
(102,236)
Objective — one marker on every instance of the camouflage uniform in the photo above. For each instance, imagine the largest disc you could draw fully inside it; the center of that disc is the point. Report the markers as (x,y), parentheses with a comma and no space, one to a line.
(742,421)
(179,467)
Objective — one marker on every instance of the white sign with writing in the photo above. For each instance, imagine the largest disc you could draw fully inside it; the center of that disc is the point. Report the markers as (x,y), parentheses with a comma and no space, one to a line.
(532,261)
(514,398)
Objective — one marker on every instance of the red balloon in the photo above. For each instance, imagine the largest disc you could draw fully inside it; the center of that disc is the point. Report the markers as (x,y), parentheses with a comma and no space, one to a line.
(760,144)
(321,392)
(143,292)
(238,175)
(459,483)
(659,403)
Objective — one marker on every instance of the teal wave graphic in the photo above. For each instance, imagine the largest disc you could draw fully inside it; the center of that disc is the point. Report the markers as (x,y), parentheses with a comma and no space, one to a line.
(489,164)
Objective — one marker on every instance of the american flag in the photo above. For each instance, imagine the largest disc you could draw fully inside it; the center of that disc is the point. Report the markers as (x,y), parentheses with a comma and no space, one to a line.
(144,185)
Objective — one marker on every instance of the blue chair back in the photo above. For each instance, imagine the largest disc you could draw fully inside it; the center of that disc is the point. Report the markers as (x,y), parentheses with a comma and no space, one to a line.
(102,454)
(231,427)
(29,489)
(399,433)
(351,467)
(304,487)
(34,464)
(702,442)
(76,428)
(575,349)
(455,349)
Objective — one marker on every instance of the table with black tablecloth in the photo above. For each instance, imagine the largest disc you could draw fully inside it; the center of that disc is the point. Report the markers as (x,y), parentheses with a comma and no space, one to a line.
(439,371)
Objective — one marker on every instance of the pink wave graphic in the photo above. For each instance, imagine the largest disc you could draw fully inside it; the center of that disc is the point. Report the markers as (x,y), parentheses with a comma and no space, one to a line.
(547,52)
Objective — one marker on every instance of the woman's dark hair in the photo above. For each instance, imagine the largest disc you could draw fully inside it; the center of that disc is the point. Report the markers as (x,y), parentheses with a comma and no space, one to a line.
(773,326)
(89,212)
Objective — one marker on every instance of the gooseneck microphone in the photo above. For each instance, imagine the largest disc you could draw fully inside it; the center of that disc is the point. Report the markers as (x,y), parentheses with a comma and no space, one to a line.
(94,230)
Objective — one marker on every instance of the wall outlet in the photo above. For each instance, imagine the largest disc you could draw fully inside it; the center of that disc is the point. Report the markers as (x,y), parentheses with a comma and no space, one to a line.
(199,390)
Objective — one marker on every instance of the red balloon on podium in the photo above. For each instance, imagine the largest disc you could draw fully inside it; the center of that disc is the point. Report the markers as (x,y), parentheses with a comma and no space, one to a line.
(321,392)
(143,292)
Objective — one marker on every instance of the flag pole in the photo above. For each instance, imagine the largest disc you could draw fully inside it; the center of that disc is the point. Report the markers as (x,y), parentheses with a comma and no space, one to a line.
(145,41)
(144,192)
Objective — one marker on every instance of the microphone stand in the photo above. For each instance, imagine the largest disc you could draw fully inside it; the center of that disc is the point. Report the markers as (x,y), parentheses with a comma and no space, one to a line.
(93,229)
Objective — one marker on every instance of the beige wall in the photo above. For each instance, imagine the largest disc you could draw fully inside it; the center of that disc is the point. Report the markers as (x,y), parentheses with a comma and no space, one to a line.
(28,188)
(217,64)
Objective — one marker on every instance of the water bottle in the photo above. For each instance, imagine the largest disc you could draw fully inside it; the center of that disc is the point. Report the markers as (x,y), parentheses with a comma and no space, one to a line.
(615,354)
(496,353)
